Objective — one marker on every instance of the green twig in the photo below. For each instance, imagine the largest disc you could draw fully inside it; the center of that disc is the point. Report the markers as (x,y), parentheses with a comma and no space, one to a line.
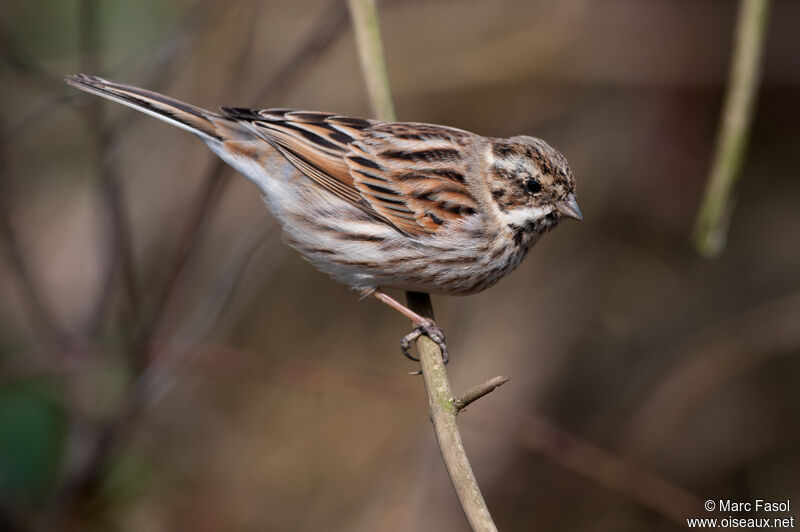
(711,226)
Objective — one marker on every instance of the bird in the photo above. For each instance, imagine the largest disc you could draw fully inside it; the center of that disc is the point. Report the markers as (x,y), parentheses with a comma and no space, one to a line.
(377,205)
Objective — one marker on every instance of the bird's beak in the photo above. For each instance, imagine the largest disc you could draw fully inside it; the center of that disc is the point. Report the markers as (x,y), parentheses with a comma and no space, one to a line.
(569,208)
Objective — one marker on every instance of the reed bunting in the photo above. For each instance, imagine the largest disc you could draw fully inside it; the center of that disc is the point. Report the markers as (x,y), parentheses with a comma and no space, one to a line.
(375,205)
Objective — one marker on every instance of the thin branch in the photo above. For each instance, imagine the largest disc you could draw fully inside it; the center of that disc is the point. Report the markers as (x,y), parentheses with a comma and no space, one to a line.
(139,348)
(205,204)
(165,370)
(319,39)
(370,54)
(592,461)
(441,401)
(20,61)
(85,480)
(119,259)
(39,312)
(161,59)
(711,226)
(162,69)
(443,411)
(478,391)
(704,362)
(528,431)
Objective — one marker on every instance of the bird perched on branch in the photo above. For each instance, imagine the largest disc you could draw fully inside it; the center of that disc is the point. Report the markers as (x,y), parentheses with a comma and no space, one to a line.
(419,207)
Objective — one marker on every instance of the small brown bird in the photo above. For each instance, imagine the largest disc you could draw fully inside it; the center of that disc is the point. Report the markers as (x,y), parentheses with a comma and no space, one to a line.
(419,207)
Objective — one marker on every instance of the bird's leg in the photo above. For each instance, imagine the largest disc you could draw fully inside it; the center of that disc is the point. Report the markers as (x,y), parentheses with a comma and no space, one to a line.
(423,325)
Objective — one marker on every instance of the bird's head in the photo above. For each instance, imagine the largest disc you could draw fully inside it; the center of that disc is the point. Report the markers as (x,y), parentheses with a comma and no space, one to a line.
(531,184)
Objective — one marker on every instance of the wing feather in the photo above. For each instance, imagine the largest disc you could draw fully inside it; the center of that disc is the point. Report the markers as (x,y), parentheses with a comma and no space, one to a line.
(409,175)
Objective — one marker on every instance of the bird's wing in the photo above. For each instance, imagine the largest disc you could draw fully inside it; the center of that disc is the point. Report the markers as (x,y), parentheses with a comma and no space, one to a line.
(412,176)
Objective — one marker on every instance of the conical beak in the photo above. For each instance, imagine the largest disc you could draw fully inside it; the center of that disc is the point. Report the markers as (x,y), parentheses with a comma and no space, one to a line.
(569,208)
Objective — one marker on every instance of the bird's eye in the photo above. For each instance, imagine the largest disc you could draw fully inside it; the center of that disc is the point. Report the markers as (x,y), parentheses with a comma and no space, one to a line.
(532,185)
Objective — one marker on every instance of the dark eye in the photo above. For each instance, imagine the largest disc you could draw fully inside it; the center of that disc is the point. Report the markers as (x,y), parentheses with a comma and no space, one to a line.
(532,185)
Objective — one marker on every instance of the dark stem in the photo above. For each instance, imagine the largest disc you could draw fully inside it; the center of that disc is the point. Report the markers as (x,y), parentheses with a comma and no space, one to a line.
(420,302)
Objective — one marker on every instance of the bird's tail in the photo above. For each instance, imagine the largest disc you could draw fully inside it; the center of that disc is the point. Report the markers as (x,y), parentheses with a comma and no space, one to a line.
(205,124)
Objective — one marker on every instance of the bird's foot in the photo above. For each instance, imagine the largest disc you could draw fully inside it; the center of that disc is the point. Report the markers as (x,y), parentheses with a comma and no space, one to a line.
(432,331)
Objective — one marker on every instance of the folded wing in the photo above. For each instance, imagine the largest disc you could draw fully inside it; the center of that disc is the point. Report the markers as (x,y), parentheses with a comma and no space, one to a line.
(411,176)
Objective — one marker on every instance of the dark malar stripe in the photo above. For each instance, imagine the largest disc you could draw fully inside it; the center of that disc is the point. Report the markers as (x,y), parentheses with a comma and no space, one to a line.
(522,232)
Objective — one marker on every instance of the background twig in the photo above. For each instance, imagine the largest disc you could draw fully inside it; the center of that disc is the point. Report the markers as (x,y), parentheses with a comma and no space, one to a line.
(711,226)
(39,311)
(370,55)
(319,39)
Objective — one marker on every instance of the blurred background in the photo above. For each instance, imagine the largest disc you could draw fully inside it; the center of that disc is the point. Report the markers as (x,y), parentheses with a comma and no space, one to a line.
(166,363)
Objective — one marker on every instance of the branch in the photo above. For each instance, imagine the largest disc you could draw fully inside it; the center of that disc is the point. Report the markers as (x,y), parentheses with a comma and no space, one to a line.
(370,55)
(85,480)
(707,360)
(711,226)
(318,41)
(38,310)
(592,461)
(118,237)
(443,411)
(478,391)
(441,401)
(528,431)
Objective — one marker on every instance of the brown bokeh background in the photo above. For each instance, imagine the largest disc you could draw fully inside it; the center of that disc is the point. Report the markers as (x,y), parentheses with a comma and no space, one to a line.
(159,373)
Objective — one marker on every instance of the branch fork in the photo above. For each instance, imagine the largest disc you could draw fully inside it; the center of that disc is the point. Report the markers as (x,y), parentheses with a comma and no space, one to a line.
(444,406)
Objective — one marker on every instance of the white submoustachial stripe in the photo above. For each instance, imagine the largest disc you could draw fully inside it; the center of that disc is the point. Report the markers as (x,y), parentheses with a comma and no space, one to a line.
(521,215)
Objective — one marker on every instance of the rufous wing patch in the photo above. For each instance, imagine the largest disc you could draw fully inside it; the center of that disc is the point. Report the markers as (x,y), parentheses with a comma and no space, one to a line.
(409,175)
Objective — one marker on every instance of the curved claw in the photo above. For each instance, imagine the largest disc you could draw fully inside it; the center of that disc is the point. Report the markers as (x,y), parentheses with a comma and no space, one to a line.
(432,331)
(405,343)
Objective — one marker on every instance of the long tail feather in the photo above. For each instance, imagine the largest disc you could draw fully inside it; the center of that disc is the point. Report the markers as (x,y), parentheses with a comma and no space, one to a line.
(194,119)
